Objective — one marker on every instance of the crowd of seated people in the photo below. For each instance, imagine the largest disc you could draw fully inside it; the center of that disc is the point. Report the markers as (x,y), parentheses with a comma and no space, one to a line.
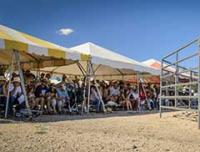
(130,97)
(41,93)
(61,98)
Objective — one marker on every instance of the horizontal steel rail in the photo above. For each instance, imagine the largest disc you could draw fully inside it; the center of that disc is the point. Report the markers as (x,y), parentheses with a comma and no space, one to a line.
(178,73)
(180,84)
(179,97)
(181,60)
(181,48)
(167,75)
(168,62)
(166,70)
(189,70)
(179,109)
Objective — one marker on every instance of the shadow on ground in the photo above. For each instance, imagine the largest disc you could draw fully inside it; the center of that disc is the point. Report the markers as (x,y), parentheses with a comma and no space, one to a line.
(57,118)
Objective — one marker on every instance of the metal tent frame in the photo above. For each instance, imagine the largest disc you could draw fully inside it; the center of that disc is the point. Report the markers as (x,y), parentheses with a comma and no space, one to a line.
(15,59)
(180,71)
(88,74)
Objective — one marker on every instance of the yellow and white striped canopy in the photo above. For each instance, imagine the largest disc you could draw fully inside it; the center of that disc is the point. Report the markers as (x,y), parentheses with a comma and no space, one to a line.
(32,48)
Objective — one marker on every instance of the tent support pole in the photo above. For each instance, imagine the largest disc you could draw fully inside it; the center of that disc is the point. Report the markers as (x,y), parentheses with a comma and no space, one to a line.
(84,98)
(85,84)
(95,70)
(17,57)
(38,69)
(199,87)
(121,73)
(88,80)
(9,83)
(138,88)
(81,68)
(98,91)
(160,100)
(144,90)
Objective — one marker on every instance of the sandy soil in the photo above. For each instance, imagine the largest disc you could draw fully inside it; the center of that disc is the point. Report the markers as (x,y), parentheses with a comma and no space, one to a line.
(140,133)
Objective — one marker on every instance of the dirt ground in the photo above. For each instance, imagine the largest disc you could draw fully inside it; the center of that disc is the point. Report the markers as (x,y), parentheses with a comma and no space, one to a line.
(142,133)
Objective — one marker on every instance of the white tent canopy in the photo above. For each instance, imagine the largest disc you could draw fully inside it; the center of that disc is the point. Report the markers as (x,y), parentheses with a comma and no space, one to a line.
(107,57)
(156,64)
(107,64)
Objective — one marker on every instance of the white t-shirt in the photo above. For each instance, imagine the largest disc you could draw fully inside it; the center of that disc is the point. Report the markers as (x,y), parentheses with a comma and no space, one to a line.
(21,99)
(114,91)
(93,95)
(134,94)
(18,90)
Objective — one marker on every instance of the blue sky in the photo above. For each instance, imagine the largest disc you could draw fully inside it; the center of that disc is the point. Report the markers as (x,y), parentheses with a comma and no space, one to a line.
(140,29)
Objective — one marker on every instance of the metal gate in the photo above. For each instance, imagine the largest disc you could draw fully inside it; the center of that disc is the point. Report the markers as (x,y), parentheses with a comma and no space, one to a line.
(180,79)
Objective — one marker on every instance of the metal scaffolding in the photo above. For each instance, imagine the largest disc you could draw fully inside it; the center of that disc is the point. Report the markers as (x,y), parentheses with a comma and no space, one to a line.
(171,86)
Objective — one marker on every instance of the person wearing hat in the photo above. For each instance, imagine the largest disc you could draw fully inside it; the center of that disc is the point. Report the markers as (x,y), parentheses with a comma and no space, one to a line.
(2,92)
(15,87)
(16,95)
